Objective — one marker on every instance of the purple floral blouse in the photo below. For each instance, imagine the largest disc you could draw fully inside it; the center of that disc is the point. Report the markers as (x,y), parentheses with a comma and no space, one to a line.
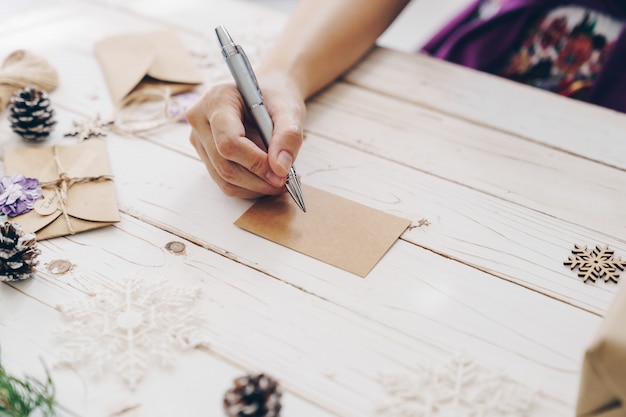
(576,48)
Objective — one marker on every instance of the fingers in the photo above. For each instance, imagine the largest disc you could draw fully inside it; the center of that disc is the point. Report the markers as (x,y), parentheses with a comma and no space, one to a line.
(247,154)
(229,144)
(235,163)
(228,188)
(285,144)
(287,111)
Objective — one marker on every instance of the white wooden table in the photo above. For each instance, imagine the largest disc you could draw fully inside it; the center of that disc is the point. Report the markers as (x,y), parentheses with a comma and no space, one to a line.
(500,181)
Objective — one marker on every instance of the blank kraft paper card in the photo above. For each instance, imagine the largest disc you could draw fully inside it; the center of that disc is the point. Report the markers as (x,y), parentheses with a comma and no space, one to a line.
(334,230)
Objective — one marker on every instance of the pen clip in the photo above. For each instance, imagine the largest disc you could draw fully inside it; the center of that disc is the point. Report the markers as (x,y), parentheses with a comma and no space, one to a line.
(246,61)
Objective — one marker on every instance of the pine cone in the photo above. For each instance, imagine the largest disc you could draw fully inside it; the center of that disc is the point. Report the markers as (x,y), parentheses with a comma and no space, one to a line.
(253,396)
(31,115)
(18,253)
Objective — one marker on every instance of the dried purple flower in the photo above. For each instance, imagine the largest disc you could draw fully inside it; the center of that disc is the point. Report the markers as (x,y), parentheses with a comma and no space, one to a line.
(18,194)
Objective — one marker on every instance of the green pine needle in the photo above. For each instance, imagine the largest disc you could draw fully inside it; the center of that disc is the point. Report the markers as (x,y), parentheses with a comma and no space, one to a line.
(20,397)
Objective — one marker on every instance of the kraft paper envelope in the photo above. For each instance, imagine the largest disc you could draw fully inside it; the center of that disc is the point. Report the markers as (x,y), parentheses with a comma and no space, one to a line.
(156,59)
(90,202)
(334,230)
(602,391)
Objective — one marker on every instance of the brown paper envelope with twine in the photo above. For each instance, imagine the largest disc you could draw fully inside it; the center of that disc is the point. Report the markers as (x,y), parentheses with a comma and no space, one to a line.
(602,391)
(334,230)
(135,61)
(78,188)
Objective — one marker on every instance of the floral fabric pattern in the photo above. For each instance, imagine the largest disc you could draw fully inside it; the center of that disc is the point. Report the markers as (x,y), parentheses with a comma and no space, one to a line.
(565,51)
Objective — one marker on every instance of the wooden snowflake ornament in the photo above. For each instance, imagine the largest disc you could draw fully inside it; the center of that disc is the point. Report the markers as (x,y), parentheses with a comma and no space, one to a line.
(596,264)
(129,326)
(455,387)
(84,129)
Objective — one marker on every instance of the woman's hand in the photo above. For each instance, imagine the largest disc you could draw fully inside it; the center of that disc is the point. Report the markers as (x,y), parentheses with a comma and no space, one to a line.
(229,144)
(321,40)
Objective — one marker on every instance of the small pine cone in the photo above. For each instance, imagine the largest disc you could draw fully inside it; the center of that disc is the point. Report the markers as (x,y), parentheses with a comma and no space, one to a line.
(31,115)
(18,253)
(253,396)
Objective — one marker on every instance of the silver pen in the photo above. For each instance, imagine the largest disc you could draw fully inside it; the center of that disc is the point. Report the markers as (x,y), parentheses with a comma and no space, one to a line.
(248,87)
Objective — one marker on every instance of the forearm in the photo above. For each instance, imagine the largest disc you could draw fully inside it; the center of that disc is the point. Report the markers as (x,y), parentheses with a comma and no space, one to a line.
(323,38)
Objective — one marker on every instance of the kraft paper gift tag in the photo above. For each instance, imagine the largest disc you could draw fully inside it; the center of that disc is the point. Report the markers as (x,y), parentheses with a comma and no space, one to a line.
(134,61)
(602,391)
(81,172)
(334,230)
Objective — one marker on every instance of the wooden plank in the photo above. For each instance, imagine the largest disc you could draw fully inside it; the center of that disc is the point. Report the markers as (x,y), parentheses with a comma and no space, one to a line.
(201,17)
(487,232)
(69,47)
(507,240)
(29,318)
(312,341)
(410,291)
(458,229)
(556,183)
(586,130)
(471,238)
(206,218)
(304,320)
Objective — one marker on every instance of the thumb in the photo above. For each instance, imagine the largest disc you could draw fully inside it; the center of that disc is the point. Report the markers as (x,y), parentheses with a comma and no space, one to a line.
(285,144)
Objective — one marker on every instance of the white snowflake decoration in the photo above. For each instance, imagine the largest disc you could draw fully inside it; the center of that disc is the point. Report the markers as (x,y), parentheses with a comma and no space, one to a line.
(86,128)
(458,387)
(595,264)
(129,326)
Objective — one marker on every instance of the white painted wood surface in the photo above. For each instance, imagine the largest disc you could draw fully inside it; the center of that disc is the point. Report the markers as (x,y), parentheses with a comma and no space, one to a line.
(503,197)
(586,130)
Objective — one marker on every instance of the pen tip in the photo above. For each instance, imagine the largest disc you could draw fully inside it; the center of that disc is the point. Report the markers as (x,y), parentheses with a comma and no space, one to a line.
(298,198)
(293,186)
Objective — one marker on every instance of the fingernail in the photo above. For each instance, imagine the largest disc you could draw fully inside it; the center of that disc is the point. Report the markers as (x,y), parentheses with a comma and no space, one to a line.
(274,179)
(285,160)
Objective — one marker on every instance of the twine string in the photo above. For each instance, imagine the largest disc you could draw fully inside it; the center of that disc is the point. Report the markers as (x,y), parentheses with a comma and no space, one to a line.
(127,121)
(22,69)
(64,182)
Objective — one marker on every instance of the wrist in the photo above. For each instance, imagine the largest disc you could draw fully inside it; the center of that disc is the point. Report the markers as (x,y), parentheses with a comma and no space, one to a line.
(271,77)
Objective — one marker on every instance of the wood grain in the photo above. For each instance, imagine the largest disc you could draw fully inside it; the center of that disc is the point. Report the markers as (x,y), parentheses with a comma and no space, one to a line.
(497,196)
(587,130)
